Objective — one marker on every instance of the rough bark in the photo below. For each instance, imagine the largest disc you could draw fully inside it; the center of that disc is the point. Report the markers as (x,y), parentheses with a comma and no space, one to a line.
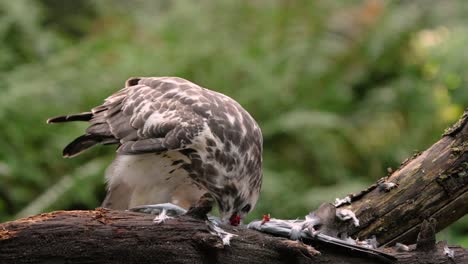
(104,236)
(431,184)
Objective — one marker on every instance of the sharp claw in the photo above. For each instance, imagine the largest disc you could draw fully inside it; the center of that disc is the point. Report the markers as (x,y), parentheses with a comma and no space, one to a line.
(221,233)
(162,217)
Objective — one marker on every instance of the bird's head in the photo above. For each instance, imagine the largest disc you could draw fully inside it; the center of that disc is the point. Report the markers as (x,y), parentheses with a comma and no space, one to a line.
(234,208)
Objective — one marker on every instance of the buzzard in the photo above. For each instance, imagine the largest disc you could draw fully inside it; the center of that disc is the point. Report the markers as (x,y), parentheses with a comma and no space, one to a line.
(176,141)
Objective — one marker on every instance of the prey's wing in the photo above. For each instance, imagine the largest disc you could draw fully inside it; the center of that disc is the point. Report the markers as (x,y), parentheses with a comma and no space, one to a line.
(149,115)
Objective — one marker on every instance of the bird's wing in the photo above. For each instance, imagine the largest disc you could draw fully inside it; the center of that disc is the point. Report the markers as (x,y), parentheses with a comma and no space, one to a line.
(149,115)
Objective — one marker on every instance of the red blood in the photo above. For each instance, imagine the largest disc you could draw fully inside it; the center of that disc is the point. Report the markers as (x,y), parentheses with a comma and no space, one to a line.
(235,220)
(266,218)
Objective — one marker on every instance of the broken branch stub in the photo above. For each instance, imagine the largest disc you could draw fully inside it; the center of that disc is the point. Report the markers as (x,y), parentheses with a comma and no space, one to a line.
(432,184)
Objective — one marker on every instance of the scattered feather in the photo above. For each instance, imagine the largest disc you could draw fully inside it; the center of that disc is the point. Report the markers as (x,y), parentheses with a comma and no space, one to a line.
(387,186)
(346,214)
(339,202)
(399,247)
(449,252)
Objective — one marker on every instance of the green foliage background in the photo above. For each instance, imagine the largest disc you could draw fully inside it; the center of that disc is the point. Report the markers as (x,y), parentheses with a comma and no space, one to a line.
(342,89)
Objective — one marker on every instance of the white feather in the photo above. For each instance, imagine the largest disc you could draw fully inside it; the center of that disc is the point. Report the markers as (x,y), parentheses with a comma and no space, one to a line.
(149,178)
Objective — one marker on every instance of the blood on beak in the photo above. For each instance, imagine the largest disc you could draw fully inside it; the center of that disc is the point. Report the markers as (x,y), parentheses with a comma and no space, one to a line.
(235,220)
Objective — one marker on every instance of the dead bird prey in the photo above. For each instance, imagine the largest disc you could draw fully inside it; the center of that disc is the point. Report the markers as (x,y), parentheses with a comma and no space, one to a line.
(176,141)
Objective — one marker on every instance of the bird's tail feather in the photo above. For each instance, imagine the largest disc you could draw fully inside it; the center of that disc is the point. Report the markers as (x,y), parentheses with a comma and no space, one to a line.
(86,116)
(85,142)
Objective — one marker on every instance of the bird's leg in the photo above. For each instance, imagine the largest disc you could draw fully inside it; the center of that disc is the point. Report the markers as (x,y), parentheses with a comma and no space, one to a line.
(202,208)
(168,210)
(162,211)
(200,211)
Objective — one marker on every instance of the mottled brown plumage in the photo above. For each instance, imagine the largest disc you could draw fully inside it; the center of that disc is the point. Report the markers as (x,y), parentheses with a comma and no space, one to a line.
(176,141)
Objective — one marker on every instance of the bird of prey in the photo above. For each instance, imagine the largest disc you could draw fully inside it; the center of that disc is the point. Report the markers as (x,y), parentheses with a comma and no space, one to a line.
(176,142)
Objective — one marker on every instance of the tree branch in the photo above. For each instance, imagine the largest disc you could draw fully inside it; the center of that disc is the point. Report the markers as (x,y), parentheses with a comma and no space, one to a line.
(431,184)
(103,236)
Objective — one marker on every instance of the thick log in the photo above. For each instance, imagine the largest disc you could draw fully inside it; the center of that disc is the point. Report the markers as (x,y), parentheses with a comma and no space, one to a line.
(432,184)
(108,236)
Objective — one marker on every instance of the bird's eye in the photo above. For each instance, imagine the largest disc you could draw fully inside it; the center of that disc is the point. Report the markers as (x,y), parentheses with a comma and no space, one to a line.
(246,208)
